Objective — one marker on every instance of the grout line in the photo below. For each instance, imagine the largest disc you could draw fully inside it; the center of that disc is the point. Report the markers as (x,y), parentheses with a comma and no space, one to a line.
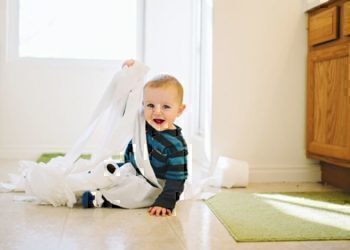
(64,228)
(182,240)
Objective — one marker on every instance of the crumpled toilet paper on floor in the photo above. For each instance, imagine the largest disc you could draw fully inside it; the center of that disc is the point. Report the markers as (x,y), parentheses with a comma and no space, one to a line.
(228,173)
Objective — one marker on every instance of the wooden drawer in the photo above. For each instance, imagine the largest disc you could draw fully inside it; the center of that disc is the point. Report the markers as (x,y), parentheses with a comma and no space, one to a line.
(323,26)
(346,20)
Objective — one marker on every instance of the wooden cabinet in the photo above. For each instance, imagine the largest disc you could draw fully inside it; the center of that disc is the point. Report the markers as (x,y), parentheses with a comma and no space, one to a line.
(328,91)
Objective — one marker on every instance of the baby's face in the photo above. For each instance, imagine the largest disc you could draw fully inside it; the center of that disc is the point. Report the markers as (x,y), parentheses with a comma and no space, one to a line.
(161,107)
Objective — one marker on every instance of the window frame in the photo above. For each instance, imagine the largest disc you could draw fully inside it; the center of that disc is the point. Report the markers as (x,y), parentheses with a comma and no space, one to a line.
(202,82)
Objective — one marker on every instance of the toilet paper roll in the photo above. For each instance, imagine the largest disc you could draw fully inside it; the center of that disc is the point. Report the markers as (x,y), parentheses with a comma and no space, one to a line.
(230,173)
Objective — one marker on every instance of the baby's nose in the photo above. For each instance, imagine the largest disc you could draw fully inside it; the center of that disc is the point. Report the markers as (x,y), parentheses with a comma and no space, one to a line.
(157,109)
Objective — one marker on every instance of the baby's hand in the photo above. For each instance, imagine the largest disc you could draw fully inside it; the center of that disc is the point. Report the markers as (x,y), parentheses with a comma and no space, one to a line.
(128,63)
(159,211)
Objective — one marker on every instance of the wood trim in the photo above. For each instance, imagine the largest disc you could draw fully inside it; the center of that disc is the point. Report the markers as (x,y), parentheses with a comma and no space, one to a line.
(330,160)
(346,19)
(338,152)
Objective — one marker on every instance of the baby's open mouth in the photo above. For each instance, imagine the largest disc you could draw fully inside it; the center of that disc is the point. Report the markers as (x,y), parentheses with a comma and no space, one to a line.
(158,121)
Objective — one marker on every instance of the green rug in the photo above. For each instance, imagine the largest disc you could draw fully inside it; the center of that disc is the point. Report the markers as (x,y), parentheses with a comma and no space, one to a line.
(46,157)
(254,217)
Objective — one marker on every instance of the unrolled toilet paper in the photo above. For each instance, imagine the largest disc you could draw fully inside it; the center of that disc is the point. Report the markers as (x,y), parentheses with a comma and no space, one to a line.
(230,173)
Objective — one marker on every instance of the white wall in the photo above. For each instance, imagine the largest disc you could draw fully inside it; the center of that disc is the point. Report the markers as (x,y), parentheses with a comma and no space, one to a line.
(45,105)
(259,84)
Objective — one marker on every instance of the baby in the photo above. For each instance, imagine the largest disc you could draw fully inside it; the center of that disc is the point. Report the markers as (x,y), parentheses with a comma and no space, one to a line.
(162,103)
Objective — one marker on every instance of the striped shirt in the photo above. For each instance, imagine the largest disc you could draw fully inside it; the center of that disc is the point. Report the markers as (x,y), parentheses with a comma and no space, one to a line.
(168,157)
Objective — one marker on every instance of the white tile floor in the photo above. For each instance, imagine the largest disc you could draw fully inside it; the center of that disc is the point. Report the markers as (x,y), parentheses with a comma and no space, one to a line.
(29,226)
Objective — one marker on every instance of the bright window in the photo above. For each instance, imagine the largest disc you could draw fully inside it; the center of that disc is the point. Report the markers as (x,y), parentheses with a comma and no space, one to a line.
(79,29)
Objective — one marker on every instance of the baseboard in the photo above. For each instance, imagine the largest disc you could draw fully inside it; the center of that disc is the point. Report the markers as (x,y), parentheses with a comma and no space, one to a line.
(33,152)
(284,173)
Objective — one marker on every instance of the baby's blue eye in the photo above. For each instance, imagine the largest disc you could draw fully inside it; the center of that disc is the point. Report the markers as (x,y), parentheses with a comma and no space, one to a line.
(150,105)
(166,107)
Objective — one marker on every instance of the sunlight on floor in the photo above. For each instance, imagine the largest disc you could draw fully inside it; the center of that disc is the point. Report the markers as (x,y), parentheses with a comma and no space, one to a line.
(321,212)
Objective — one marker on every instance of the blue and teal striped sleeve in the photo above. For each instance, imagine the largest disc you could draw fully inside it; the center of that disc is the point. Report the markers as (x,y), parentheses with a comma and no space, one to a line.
(177,165)
(175,178)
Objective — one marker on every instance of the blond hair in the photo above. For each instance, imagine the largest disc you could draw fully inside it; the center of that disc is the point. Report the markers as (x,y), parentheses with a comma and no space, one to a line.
(166,81)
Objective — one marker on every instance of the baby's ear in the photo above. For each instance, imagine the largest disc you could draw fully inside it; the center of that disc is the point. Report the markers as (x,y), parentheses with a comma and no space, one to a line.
(181,109)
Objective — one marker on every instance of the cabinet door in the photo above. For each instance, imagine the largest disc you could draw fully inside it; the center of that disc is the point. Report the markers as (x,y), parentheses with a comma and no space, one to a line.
(328,113)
